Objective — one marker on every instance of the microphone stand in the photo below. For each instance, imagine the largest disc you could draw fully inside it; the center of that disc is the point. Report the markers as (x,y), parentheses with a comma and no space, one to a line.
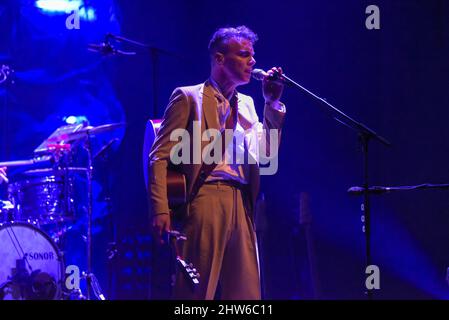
(154,52)
(365,135)
(382,189)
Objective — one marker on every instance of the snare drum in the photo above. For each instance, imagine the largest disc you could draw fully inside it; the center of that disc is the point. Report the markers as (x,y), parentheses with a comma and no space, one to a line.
(31,265)
(43,196)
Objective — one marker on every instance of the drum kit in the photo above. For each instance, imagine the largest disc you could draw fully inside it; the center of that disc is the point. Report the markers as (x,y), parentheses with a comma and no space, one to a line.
(40,209)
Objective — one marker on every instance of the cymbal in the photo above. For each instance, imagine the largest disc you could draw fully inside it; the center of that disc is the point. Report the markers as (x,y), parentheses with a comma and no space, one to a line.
(52,171)
(106,127)
(87,132)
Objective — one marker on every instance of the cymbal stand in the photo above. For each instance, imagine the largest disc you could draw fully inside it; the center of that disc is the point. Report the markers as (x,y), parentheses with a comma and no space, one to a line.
(92,282)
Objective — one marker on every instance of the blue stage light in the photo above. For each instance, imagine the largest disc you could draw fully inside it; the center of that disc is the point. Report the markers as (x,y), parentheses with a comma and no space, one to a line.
(76,120)
(58,7)
(70,120)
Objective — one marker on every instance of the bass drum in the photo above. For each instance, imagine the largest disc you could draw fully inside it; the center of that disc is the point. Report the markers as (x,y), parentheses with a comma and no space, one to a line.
(31,266)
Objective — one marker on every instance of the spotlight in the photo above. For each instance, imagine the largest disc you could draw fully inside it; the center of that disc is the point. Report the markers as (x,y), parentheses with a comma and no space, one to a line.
(61,6)
(76,120)
(58,7)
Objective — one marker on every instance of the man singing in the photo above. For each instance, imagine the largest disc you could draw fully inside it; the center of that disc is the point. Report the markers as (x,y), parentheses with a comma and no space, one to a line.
(218,219)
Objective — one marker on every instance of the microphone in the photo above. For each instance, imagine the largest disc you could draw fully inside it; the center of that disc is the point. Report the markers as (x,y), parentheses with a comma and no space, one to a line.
(106,49)
(373,190)
(260,75)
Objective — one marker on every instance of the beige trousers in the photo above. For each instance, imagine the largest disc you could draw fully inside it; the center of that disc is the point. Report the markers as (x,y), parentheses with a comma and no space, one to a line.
(221,244)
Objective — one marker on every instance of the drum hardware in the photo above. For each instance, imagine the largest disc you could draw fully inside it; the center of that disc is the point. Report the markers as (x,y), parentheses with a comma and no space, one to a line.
(86,135)
(7,212)
(95,285)
(89,276)
(75,294)
(30,162)
(6,205)
(35,286)
(42,198)
(58,233)
(32,266)
(59,151)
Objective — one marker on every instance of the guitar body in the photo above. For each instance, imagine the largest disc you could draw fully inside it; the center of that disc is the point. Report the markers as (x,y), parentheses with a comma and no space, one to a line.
(176,182)
(176,195)
(176,189)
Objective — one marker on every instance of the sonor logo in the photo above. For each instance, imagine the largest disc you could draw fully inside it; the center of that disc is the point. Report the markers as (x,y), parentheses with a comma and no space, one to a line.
(40,256)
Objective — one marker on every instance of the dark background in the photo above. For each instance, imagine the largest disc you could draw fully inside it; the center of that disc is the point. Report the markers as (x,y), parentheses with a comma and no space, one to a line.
(394,80)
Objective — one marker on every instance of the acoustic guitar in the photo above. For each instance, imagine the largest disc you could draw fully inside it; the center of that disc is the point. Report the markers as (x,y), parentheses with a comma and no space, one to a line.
(177,196)
(187,269)
(176,182)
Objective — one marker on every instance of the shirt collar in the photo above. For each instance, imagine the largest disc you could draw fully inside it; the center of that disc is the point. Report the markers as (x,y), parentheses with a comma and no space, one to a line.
(218,92)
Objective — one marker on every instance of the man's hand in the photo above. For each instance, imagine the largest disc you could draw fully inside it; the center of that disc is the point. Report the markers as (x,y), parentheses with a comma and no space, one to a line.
(272,89)
(161,225)
(3,177)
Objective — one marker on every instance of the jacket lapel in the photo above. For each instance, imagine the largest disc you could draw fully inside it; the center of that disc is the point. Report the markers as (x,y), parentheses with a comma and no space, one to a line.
(210,107)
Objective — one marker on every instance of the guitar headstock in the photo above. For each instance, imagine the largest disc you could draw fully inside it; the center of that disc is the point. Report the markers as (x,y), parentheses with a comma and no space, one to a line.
(189,270)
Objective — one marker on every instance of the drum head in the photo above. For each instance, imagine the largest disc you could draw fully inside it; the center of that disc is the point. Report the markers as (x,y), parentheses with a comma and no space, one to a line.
(31,265)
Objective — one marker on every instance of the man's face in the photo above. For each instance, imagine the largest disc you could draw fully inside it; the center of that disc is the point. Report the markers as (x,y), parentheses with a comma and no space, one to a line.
(238,61)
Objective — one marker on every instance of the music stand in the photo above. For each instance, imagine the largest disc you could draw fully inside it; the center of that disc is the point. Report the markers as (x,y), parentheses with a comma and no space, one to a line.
(59,137)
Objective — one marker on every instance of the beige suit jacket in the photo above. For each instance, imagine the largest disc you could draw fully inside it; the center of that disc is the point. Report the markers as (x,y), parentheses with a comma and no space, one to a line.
(198,104)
